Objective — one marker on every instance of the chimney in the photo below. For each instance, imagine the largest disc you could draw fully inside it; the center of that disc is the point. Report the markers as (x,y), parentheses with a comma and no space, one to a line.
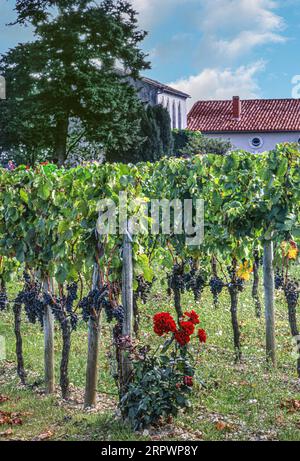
(236,107)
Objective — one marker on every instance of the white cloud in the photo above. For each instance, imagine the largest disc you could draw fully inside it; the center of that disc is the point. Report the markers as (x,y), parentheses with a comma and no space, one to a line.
(229,26)
(241,14)
(222,83)
(244,42)
(234,27)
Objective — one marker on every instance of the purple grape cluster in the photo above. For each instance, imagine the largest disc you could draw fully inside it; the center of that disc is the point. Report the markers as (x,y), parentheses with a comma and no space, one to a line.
(176,281)
(30,298)
(279,280)
(72,290)
(291,291)
(143,289)
(93,302)
(97,300)
(195,282)
(3,300)
(216,286)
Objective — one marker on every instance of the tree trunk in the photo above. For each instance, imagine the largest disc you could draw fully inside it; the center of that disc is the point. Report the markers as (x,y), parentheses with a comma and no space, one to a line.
(19,345)
(62,127)
(48,346)
(93,353)
(127,300)
(255,288)
(269,289)
(64,364)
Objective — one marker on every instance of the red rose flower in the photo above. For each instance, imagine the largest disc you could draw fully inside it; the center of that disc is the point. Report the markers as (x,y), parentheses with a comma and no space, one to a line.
(182,337)
(188,381)
(164,323)
(187,327)
(44,163)
(202,335)
(193,317)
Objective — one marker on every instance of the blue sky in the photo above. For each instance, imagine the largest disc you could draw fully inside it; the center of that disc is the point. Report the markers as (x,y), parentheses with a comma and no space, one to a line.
(212,49)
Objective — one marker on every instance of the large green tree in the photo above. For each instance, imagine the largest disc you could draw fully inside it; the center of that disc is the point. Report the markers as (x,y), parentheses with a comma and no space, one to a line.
(67,77)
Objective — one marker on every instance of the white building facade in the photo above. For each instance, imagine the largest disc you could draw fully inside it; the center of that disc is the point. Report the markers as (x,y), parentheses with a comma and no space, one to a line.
(175,101)
(257,142)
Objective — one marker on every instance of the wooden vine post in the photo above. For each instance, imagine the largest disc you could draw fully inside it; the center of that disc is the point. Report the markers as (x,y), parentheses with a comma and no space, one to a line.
(269,289)
(48,321)
(127,301)
(90,396)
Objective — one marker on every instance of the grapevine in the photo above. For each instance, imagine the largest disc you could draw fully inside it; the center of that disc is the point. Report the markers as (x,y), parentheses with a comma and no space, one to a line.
(216,287)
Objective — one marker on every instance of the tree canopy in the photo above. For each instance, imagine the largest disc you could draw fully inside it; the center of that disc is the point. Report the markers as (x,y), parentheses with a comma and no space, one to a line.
(70,76)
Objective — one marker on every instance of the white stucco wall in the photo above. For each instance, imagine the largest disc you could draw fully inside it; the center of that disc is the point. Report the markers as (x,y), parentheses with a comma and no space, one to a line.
(242,140)
(174,104)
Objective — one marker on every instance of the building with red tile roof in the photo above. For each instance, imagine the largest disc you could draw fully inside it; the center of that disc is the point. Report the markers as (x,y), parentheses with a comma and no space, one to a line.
(255,125)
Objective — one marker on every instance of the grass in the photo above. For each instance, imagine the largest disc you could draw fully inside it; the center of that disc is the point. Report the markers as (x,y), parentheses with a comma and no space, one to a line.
(246,401)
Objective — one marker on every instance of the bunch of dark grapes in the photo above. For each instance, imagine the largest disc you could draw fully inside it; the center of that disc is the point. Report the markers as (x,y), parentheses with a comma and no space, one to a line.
(85,306)
(72,290)
(195,282)
(108,310)
(111,311)
(3,300)
(94,302)
(97,300)
(56,305)
(279,280)
(291,291)
(176,281)
(143,289)
(118,313)
(216,287)
(30,298)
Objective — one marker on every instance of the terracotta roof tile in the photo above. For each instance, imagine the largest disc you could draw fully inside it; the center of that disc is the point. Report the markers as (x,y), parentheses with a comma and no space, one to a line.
(261,115)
